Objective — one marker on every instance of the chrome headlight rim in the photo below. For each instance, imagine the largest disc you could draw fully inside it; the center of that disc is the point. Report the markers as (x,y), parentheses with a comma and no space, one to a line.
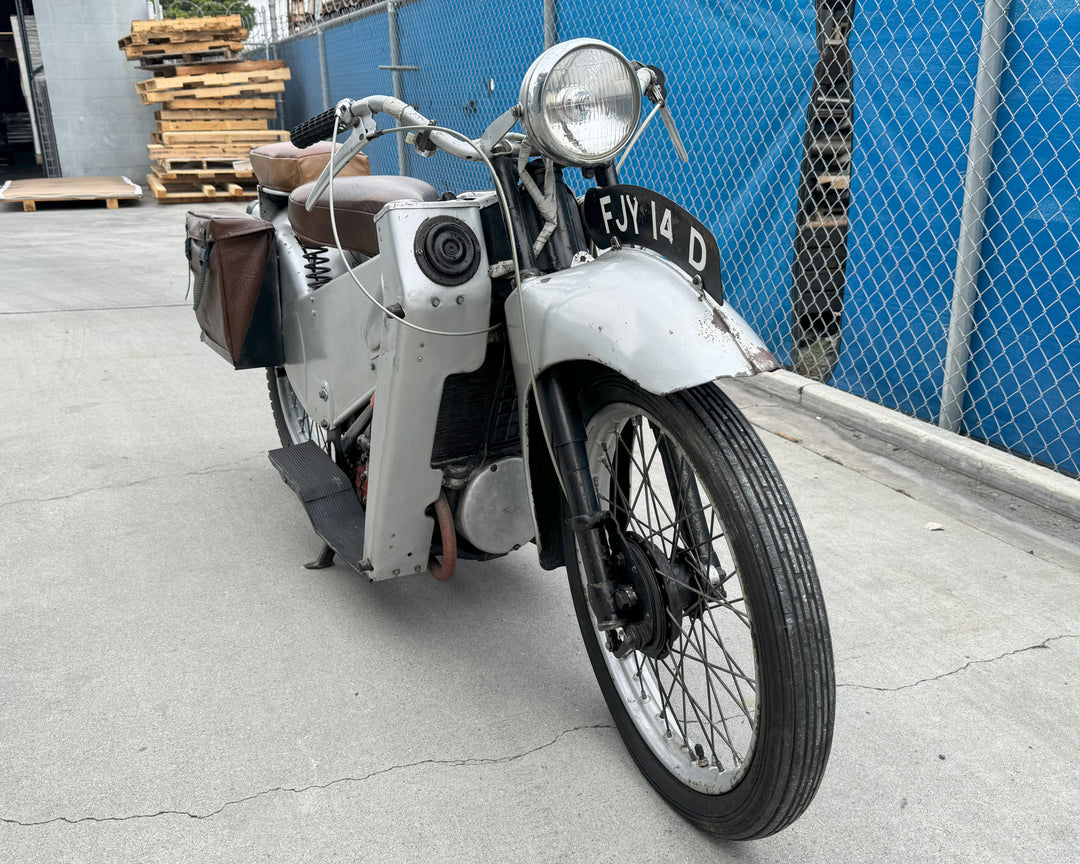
(537,130)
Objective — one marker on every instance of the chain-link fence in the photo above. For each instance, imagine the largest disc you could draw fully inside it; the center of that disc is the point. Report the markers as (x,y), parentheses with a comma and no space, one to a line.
(945,136)
(964,253)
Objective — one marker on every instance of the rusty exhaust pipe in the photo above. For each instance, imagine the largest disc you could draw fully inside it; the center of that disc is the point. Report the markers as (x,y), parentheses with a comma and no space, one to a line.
(448,534)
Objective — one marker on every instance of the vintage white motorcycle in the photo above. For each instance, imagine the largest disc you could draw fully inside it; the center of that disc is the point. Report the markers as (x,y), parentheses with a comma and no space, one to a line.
(461,377)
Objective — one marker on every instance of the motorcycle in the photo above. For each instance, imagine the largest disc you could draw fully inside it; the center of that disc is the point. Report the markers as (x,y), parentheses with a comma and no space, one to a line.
(459,377)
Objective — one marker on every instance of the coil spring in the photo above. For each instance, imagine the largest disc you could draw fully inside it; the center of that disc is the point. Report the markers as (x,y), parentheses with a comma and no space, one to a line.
(317,266)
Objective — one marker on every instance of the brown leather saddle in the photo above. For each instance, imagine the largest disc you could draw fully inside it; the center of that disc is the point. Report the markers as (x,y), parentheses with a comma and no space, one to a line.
(358,196)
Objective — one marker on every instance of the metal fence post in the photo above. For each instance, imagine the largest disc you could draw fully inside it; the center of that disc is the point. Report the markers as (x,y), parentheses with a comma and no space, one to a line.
(273,29)
(987,98)
(399,81)
(551,22)
(324,69)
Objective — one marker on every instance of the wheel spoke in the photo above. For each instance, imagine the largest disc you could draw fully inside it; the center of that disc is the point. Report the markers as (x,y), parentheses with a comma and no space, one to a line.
(689,700)
(702,658)
(733,669)
(643,469)
(702,646)
(710,728)
(620,495)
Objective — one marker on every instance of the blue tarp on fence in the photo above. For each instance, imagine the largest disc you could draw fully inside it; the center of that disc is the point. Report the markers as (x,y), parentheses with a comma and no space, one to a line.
(740,80)
(912,102)
(739,75)
(915,71)
(1025,366)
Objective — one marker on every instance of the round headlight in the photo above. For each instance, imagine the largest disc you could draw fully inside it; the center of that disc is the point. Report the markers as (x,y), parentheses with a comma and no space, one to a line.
(581,101)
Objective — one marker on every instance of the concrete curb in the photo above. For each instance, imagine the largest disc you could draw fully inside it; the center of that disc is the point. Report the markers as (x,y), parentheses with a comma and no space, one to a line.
(979,461)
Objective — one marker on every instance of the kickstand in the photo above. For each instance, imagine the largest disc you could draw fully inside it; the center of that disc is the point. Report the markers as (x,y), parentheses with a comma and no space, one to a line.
(325,559)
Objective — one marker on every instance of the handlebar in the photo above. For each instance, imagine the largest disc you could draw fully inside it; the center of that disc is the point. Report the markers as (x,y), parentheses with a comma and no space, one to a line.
(353,113)
(357,114)
(318,128)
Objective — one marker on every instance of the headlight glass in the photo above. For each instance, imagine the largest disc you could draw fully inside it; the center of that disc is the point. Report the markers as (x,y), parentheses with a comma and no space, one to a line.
(581,101)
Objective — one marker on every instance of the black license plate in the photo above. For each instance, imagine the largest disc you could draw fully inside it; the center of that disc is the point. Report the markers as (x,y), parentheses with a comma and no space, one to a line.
(640,217)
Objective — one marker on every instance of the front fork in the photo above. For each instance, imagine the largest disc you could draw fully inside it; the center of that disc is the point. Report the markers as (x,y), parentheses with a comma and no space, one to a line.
(593,527)
(613,586)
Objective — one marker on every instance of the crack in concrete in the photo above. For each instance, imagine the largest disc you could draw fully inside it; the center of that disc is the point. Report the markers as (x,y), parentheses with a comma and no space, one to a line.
(1043,644)
(211,469)
(296,790)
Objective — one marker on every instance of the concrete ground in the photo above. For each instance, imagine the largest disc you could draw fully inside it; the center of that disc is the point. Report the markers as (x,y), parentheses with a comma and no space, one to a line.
(175,687)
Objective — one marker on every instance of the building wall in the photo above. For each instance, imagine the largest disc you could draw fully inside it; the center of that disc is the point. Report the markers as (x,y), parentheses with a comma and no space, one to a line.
(101,127)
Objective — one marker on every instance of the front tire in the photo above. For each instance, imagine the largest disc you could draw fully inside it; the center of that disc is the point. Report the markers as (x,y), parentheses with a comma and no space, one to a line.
(731,718)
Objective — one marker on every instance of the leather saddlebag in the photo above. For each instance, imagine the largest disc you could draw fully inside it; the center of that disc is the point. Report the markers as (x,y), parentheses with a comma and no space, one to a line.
(236,299)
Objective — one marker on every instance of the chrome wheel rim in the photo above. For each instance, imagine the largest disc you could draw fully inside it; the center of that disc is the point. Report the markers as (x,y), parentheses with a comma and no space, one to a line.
(298,422)
(696,708)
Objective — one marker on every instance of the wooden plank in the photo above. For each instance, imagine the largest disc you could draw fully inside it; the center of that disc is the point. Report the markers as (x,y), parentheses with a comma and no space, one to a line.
(156,186)
(233,66)
(197,159)
(206,125)
(211,79)
(206,104)
(213,92)
(208,22)
(225,155)
(193,114)
(234,189)
(170,161)
(215,175)
(195,197)
(836,181)
(222,137)
(135,52)
(232,153)
(827,221)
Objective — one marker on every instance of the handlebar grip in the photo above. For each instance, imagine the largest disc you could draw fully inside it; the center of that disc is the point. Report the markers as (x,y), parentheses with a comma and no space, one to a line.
(318,128)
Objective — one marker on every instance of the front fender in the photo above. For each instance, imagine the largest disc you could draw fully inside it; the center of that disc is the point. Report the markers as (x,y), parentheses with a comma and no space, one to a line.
(631,311)
(634,312)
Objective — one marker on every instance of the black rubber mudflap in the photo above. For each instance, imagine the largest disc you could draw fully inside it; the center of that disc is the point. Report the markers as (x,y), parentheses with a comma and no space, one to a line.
(327,496)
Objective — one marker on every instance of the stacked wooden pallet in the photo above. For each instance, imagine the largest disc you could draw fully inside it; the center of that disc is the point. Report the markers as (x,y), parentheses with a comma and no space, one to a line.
(212,108)
(158,41)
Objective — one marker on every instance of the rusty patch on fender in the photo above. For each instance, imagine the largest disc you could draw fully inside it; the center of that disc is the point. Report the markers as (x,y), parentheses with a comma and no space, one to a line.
(759,357)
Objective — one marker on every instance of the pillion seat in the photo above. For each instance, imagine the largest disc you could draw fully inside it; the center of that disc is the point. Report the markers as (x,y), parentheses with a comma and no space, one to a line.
(283,167)
(356,201)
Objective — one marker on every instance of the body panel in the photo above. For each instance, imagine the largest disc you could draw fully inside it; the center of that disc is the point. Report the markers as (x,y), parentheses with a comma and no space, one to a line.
(411,369)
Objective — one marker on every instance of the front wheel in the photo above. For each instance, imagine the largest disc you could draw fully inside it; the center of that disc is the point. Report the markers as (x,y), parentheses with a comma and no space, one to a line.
(727,708)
